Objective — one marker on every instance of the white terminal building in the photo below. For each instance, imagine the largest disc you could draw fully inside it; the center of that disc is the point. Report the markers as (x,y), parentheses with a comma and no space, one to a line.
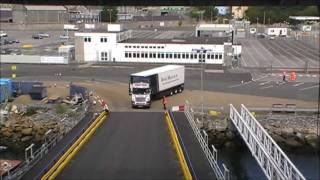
(118,45)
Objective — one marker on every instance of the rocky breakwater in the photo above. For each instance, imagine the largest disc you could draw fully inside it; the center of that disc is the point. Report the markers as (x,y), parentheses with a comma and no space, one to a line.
(292,130)
(288,130)
(19,132)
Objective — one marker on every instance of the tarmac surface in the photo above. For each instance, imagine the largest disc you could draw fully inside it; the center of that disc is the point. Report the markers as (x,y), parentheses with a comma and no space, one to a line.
(267,85)
(278,53)
(128,145)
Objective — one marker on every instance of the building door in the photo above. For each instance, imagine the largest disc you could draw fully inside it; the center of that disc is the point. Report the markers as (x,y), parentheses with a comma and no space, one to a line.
(280,32)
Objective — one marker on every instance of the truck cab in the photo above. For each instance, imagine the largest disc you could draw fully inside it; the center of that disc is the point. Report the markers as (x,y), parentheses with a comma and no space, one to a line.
(140,92)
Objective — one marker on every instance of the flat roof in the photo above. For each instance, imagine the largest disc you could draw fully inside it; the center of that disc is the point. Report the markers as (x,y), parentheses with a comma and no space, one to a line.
(193,40)
(45,8)
(157,70)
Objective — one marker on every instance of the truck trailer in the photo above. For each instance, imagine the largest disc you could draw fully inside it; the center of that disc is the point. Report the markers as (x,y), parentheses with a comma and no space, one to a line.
(155,83)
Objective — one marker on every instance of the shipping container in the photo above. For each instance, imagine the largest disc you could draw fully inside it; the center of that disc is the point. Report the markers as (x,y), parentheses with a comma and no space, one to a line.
(74,89)
(4,92)
(9,83)
(24,87)
(38,92)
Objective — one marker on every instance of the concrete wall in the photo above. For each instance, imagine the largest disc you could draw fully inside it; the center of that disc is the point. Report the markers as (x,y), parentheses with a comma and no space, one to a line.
(46,17)
(79,51)
(33,59)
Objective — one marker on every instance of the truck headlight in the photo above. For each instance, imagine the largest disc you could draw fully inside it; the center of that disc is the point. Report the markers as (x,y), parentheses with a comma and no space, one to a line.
(148,98)
(132,98)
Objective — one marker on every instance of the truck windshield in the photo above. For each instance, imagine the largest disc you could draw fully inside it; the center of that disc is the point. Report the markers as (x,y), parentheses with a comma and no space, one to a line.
(141,91)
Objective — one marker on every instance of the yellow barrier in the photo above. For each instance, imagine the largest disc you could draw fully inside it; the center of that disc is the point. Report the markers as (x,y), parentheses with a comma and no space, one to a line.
(27,46)
(179,152)
(71,152)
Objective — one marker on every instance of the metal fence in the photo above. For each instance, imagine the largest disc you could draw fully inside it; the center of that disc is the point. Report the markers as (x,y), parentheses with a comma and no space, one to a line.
(32,156)
(202,137)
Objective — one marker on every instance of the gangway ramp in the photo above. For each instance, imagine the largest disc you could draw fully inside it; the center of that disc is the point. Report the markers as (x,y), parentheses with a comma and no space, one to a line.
(199,165)
(129,145)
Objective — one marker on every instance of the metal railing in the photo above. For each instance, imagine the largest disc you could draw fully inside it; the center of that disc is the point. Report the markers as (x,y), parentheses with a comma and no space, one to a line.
(33,157)
(272,160)
(202,137)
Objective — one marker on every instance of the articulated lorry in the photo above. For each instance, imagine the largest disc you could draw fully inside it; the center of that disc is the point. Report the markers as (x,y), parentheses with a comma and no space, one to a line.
(155,83)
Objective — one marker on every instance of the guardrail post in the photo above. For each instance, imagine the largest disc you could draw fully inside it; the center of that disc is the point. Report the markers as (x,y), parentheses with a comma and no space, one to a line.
(205,135)
(226,172)
(215,153)
(29,148)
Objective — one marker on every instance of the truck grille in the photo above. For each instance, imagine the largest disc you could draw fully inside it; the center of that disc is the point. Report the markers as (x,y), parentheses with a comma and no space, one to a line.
(140,99)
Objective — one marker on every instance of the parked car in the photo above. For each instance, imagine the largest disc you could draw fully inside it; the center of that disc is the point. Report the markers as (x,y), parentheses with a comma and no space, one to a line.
(5,51)
(15,52)
(11,40)
(3,34)
(44,35)
(37,36)
(64,36)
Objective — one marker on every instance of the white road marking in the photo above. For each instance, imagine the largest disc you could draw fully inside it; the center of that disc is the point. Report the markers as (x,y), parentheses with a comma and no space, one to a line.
(266,87)
(314,76)
(237,85)
(298,84)
(311,87)
(264,83)
(308,75)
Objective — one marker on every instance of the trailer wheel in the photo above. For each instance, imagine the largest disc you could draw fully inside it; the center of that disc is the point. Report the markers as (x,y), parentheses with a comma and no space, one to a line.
(180,90)
(171,93)
(175,91)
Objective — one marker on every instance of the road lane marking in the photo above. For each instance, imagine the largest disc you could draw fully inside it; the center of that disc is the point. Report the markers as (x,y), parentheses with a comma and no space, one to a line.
(298,84)
(264,83)
(237,85)
(266,87)
(311,87)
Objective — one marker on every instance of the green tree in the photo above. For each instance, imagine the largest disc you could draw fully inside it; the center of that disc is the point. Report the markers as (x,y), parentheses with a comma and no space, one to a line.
(107,11)
(209,12)
(278,14)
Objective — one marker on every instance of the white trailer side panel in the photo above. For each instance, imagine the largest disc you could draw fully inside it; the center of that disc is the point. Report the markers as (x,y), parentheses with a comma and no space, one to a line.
(171,78)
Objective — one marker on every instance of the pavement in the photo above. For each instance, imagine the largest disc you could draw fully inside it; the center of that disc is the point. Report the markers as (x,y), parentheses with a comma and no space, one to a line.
(138,147)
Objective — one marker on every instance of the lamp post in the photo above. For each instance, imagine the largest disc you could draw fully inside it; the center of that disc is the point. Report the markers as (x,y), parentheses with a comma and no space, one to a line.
(109,10)
(202,51)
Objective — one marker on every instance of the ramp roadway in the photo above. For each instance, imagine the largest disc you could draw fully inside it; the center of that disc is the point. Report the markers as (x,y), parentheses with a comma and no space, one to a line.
(129,145)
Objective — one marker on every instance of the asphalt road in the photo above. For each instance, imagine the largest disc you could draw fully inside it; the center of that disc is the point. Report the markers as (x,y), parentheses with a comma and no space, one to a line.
(220,82)
(127,146)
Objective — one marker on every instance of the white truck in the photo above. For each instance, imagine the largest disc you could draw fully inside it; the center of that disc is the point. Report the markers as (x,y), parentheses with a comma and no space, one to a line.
(155,83)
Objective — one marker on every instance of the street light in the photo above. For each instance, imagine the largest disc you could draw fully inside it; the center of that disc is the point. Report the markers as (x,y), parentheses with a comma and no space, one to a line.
(109,10)
(202,51)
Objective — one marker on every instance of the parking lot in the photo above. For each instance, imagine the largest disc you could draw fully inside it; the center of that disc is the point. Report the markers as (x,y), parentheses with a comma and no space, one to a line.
(45,46)
(161,34)
(278,53)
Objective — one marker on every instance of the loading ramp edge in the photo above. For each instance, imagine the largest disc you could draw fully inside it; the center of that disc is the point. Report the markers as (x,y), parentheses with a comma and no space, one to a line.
(76,146)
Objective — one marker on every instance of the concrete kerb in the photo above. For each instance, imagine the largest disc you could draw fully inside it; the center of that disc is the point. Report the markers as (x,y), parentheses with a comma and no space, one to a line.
(97,122)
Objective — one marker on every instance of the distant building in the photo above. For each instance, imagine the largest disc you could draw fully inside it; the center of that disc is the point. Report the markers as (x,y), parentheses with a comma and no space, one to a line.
(84,14)
(223,10)
(214,30)
(122,47)
(238,12)
(39,14)
(5,14)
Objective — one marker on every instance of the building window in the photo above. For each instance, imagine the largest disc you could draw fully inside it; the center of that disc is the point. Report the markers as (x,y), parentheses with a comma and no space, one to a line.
(195,56)
(138,55)
(158,55)
(203,56)
(138,46)
(158,47)
(142,55)
(162,55)
(133,46)
(183,55)
(126,54)
(129,54)
(142,46)
(129,46)
(150,47)
(220,56)
(175,56)
(104,56)
(154,55)
(212,56)
(134,55)
(154,47)
(126,46)
(170,55)
(187,55)
(191,56)
(87,39)
(146,55)
(162,47)
(208,56)
(167,55)
(216,56)
(103,39)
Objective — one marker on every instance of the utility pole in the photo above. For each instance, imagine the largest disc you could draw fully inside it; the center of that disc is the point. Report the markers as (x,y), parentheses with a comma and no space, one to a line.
(264,17)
